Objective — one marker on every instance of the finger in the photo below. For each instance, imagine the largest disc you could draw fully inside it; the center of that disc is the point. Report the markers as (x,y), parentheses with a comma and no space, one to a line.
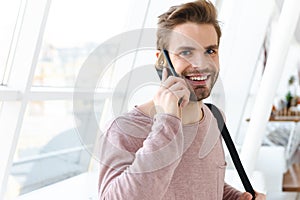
(185,99)
(182,96)
(246,196)
(179,86)
(164,74)
(172,80)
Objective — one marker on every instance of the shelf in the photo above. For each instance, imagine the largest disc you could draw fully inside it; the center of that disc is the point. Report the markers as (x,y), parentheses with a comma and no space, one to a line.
(291,179)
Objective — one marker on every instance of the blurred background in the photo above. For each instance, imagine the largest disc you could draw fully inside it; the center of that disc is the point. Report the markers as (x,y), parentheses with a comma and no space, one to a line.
(45,45)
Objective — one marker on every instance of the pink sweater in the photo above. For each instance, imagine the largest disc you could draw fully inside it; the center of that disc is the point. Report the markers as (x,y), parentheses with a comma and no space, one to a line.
(143,158)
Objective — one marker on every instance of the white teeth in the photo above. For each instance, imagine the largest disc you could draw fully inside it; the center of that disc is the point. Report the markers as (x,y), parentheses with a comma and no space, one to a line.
(198,78)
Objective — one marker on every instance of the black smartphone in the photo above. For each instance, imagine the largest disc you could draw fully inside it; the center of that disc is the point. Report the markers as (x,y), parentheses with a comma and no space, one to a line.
(164,61)
(171,67)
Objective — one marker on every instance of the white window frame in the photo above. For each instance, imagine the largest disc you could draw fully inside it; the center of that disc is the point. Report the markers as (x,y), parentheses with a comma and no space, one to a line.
(15,96)
(18,92)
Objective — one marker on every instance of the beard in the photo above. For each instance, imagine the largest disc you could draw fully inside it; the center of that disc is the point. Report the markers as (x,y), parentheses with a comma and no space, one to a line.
(199,93)
(202,89)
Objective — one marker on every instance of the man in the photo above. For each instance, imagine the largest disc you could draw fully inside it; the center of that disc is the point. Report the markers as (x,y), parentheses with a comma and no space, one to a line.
(170,147)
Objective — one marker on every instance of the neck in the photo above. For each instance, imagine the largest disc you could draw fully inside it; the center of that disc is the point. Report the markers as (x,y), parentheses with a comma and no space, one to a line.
(192,112)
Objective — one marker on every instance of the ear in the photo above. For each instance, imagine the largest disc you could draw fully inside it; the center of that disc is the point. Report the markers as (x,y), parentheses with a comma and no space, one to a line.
(157,53)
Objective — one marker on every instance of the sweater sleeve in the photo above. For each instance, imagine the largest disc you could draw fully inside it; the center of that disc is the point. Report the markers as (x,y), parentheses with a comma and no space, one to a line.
(231,193)
(139,165)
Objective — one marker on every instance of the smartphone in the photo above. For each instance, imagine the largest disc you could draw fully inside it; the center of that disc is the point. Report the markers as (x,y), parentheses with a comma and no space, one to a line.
(164,61)
(171,67)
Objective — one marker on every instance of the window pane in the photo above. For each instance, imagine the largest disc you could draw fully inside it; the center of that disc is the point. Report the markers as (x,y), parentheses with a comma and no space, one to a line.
(8,18)
(74,29)
(49,148)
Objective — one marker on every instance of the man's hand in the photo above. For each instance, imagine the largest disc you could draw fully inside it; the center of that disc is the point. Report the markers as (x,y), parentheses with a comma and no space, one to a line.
(248,196)
(172,89)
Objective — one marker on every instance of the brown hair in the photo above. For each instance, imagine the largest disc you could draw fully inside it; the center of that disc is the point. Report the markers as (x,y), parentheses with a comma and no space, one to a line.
(199,11)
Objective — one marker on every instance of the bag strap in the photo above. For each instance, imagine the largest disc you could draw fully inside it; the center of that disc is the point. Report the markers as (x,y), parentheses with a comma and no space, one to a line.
(232,150)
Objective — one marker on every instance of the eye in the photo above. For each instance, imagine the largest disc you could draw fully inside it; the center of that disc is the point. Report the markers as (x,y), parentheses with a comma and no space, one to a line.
(185,53)
(210,52)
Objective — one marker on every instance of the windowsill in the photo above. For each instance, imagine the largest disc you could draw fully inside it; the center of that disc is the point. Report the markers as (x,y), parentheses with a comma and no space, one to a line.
(9,94)
(81,187)
(56,93)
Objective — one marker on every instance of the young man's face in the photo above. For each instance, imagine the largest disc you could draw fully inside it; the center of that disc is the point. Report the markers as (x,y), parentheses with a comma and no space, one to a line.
(194,53)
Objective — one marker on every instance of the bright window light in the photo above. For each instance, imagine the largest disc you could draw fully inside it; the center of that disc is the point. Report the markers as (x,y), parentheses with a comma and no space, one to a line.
(8,29)
(50,147)
(73,30)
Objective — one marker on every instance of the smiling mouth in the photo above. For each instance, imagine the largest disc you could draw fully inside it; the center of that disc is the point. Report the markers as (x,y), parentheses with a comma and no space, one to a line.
(197,77)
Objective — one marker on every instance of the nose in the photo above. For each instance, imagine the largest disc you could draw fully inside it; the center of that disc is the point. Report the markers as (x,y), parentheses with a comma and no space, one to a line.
(201,60)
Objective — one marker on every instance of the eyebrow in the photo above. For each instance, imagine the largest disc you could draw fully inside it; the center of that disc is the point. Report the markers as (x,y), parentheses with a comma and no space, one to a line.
(185,48)
(214,46)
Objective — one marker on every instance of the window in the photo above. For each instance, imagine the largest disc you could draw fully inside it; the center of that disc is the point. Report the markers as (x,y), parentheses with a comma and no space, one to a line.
(9,13)
(50,149)
(74,29)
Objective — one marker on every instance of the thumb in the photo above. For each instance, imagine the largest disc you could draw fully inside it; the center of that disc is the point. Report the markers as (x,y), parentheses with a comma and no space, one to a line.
(246,196)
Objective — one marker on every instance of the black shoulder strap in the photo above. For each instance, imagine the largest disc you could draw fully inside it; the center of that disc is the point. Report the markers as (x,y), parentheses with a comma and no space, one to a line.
(231,148)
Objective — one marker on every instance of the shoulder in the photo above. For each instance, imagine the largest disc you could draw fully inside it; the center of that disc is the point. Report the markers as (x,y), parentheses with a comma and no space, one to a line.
(211,108)
(132,124)
(127,131)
